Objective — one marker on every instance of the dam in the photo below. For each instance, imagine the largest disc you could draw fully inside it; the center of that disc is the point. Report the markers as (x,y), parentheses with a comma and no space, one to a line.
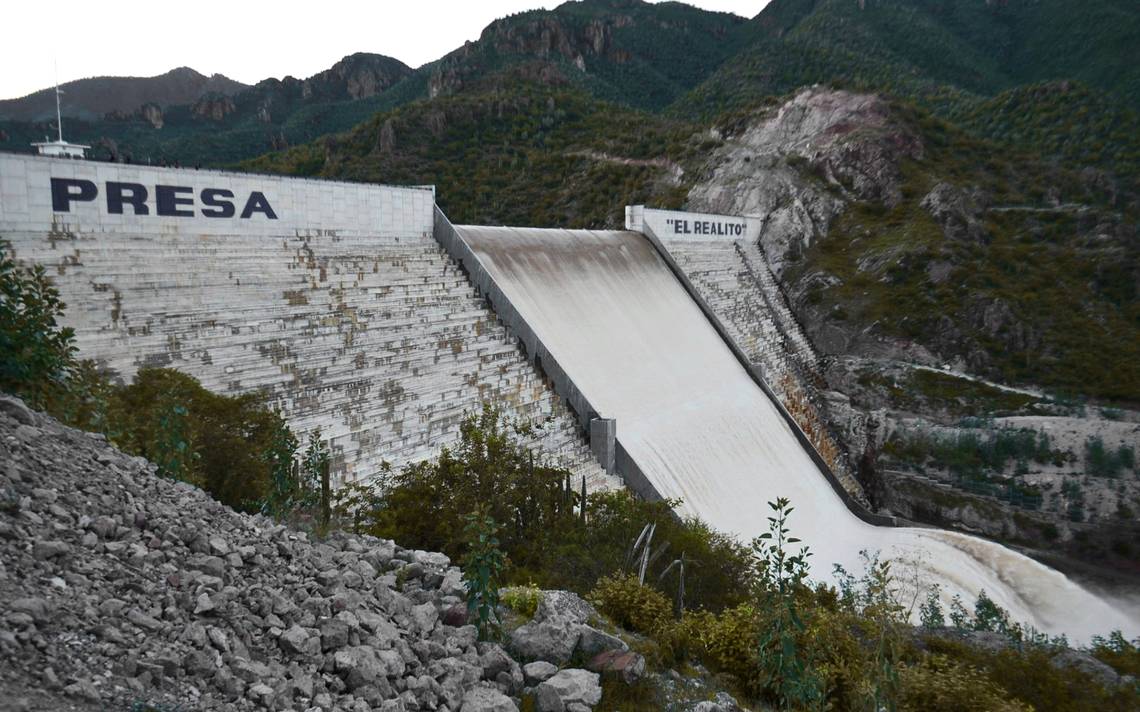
(362,311)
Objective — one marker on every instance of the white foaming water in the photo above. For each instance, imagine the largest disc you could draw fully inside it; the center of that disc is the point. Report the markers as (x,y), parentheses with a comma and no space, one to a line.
(629,336)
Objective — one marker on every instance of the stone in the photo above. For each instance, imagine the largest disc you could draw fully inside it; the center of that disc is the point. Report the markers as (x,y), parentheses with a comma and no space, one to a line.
(38,609)
(359,666)
(14,408)
(570,686)
(455,616)
(592,641)
(1086,663)
(424,617)
(626,665)
(553,642)
(486,699)
(198,663)
(723,702)
(494,660)
(44,550)
(334,634)
(293,640)
(565,606)
(144,621)
(538,671)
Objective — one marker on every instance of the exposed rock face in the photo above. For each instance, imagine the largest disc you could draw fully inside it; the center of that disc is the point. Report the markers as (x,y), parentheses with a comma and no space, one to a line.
(957,211)
(851,144)
(357,76)
(152,114)
(214,107)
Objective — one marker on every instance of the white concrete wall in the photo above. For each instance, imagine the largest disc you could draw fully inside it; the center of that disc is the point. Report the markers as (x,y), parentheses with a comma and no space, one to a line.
(677,225)
(344,310)
(301,205)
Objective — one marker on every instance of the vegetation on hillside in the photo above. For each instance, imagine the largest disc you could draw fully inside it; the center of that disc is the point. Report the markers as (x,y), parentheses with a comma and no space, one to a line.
(1039,280)
(994,68)
(519,152)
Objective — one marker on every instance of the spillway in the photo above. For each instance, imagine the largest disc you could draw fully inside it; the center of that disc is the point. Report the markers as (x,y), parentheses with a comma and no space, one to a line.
(629,336)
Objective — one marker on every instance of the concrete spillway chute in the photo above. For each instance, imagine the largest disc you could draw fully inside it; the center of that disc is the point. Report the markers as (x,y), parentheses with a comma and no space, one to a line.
(692,422)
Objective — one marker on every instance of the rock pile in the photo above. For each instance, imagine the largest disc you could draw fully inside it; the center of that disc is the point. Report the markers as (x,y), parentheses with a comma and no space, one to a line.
(121,587)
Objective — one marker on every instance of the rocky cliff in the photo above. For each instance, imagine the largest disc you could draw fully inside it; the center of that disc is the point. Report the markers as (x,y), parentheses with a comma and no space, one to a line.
(940,280)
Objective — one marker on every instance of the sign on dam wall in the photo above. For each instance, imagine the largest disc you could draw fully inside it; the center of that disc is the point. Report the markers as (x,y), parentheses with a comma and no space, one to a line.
(37,193)
(673,224)
(332,299)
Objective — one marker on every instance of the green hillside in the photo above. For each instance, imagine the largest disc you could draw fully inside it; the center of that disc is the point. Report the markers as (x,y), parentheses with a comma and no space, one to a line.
(934,51)
(512,151)
(970,61)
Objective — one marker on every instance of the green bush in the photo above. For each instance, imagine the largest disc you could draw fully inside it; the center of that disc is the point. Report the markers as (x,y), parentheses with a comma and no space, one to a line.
(632,605)
(523,600)
(231,446)
(543,533)
(938,684)
(36,354)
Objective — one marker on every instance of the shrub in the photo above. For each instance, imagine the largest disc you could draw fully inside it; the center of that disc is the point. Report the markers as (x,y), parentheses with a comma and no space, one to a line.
(36,354)
(631,604)
(785,664)
(543,533)
(482,570)
(523,600)
(229,445)
(937,684)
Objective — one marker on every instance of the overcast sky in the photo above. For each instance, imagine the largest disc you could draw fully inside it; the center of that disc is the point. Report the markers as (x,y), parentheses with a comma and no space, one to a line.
(247,40)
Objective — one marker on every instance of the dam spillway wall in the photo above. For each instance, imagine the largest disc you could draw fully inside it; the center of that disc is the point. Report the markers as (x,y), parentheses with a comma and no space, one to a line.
(719,259)
(333,299)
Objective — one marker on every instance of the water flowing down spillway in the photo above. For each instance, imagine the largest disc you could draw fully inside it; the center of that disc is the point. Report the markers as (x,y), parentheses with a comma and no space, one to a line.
(631,339)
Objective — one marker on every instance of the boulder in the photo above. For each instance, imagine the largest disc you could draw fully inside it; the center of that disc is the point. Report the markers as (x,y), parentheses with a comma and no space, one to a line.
(486,699)
(571,687)
(625,664)
(553,641)
(565,606)
(538,671)
(592,641)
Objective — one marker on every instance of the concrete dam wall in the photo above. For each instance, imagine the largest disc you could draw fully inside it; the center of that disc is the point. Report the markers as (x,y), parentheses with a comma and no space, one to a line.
(333,299)
(700,427)
(360,310)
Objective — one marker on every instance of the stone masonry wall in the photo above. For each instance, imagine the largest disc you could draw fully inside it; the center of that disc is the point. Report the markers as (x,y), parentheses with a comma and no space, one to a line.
(343,309)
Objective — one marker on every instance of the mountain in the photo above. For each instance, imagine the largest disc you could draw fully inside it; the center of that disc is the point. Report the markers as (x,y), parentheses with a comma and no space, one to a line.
(635,53)
(218,127)
(93,98)
(937,51)
(627,51)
